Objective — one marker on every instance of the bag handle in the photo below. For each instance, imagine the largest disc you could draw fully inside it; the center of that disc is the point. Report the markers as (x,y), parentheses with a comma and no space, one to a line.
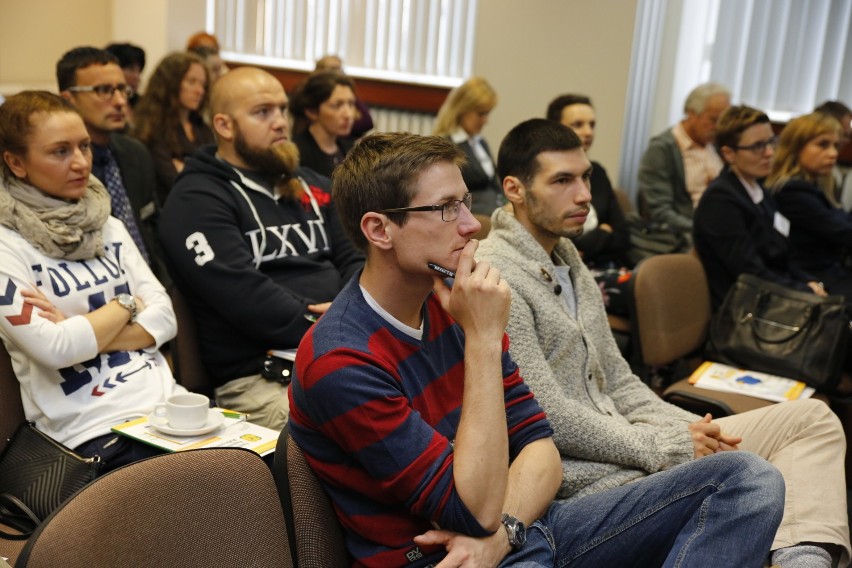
(14,513)
(755,319)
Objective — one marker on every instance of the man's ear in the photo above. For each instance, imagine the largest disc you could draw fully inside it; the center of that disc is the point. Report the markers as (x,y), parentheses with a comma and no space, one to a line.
(16,164)
(375,229)
(223,125)
(68,96)
(514,190)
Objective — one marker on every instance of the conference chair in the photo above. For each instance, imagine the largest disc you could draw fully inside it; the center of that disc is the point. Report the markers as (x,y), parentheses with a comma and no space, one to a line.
(186,354)
(207,507)
(316,538)
(672,319)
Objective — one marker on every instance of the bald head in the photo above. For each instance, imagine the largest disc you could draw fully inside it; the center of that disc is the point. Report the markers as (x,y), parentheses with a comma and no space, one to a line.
(250,120)
(233,88)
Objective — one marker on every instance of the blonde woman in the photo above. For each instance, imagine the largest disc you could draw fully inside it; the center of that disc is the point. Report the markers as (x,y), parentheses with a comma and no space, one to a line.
(461,119)
(820,231)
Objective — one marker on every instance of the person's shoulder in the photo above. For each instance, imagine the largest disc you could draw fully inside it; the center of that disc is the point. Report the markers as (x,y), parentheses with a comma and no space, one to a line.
(127,148)
(312,178)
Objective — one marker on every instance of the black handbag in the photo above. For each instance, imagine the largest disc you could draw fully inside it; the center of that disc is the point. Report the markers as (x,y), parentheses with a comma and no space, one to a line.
(767,327)
(37,474)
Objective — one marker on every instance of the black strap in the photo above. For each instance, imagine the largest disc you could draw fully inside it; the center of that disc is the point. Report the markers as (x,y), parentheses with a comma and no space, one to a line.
(14,513)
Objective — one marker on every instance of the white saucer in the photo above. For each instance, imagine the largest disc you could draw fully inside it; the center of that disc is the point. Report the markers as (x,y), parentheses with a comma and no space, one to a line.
(215,418)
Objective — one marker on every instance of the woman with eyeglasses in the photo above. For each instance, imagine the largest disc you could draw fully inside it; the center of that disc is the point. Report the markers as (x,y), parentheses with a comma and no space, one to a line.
(81,315)
(169,117)
(737,227)
(802,182)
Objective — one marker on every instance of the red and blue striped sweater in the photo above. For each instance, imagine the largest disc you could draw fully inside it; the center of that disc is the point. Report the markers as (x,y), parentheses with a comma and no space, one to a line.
(375,412)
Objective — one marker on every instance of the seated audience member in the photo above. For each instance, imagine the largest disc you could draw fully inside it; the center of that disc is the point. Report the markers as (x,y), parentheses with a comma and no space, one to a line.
(680,162)
(842,179)
(323,108)
(255,245)
(419,426)
(91,80)
(461,119)
(83,316)
(202,39)
(216,67)
(606,237)
(737,227)
(363,121)
(169,118)
(612,430)
(131,58)
(803,185)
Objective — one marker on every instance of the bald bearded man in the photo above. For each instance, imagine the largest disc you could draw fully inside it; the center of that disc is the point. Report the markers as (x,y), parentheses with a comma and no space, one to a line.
(254,245)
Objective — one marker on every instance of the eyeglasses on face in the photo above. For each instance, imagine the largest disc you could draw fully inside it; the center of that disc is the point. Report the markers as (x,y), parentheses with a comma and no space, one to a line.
(449,210)
(105,92)
(760,147)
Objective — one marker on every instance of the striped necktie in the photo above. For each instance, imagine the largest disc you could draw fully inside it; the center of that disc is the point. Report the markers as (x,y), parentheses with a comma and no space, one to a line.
(121,208)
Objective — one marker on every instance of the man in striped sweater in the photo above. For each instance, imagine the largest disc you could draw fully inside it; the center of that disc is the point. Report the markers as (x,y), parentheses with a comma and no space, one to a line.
(434,452)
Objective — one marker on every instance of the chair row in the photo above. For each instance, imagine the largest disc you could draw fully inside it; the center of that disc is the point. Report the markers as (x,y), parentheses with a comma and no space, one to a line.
(207,507)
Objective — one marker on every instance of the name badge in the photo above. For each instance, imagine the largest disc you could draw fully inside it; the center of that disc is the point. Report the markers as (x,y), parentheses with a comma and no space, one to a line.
(781,224)
(147,211)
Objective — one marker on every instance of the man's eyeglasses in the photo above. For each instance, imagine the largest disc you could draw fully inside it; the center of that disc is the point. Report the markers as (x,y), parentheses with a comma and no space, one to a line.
(105,92)
(449,210)
(760,147)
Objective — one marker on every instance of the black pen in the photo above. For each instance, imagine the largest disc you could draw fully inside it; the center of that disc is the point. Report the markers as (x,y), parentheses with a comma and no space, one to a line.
(446,272)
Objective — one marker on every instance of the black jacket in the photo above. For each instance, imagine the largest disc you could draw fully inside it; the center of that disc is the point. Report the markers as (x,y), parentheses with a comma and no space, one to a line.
(599,246)
(734,236)
(137,175)
(248,263)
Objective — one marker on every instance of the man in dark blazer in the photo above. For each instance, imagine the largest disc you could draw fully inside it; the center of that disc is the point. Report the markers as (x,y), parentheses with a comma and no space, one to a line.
(92,80)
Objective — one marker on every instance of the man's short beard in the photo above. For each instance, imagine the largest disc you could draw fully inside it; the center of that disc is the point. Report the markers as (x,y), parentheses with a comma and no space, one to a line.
(279,160)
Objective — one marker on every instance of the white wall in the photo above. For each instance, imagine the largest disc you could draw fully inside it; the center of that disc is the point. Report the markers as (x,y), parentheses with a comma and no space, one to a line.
(530,50)
(35,33)
(534,50)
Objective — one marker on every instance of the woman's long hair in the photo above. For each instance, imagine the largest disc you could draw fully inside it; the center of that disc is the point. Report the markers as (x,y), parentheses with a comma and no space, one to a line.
(793,139)
(157,116)
(474,94)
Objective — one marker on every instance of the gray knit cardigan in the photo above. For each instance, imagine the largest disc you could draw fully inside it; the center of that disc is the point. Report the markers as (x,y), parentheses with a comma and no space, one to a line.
(608,426)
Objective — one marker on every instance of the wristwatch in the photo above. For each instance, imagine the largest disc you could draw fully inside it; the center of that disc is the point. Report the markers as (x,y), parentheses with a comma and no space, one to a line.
(515,529)
(128,302)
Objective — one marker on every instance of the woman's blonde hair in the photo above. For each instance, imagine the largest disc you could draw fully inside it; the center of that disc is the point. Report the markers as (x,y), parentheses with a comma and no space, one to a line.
(793,139)
(474,94)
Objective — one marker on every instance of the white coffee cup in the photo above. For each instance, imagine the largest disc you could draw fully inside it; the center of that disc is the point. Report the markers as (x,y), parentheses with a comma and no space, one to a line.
(187,411)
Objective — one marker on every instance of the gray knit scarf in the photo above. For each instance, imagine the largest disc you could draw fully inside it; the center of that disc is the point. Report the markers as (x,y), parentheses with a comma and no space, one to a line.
(58,228)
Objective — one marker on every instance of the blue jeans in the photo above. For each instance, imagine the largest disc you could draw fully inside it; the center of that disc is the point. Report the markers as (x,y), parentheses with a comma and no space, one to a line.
(720,511)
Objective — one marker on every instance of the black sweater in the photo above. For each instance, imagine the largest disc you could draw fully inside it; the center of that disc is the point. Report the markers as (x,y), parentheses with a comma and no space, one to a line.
(249,271)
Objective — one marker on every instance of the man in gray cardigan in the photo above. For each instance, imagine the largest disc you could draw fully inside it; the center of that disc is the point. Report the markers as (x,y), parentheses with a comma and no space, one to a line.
(614,428)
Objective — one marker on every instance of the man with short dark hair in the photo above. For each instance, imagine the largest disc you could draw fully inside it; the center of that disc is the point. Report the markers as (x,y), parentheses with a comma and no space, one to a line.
(680,162)
(91,80)
(433,450)
(254,245)
(611,429)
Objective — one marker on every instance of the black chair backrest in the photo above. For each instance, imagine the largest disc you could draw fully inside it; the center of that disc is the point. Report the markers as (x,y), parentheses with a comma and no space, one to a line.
(185,351)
